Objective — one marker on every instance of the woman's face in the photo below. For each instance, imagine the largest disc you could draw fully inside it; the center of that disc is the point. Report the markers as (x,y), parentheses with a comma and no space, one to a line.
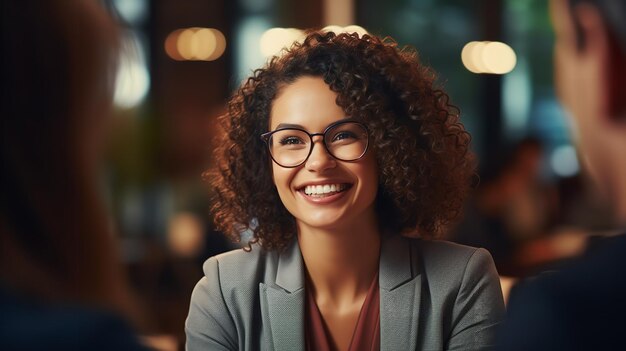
(310,104)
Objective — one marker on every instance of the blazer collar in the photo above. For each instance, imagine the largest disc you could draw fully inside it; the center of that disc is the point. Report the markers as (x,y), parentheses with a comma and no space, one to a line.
(282,303)
(396,265)
(400,287)
(290,270)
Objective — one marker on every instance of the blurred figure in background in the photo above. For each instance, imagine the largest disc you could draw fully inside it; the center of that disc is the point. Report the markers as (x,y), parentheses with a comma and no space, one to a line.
(61,282)
(583,306)
(510,208)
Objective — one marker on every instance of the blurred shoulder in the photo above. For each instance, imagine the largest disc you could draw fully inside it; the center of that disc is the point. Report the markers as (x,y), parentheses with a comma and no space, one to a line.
(580,306)
(599,272)
(27,324)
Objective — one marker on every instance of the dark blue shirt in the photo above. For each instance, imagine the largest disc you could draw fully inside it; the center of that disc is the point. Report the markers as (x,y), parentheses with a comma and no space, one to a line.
(28,325)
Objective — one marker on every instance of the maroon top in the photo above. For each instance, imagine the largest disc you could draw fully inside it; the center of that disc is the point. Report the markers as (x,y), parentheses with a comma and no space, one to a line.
(366,335)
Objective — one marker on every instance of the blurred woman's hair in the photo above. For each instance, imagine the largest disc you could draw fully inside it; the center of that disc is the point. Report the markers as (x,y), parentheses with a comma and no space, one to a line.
(56,241)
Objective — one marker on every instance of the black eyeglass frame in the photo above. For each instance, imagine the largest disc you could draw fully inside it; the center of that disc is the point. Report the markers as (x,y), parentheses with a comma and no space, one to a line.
(266,138)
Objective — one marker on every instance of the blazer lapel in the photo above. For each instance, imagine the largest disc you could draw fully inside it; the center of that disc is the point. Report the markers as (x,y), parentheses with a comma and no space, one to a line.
(282,303)
(400,295)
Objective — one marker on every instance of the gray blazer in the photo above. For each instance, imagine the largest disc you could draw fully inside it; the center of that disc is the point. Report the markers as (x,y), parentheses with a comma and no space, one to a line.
(434,295)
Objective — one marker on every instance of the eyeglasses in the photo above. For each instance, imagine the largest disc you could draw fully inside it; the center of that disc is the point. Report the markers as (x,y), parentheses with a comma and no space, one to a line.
(345,140)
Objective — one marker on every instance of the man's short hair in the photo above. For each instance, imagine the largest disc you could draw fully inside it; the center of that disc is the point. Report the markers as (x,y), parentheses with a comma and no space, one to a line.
(614,14)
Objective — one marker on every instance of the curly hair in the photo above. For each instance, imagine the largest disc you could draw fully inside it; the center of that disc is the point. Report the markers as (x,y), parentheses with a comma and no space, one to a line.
(422,149)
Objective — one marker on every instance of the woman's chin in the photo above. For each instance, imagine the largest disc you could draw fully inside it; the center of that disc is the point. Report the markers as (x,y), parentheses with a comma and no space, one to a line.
(322,222)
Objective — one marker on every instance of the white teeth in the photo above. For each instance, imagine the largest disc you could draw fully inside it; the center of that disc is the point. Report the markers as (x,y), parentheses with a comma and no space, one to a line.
(323,189)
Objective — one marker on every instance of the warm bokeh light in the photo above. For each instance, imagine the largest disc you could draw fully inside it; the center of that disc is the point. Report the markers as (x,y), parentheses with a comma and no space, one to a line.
(333,28)
(491,57)
(274,40)
(498,57)
(203,43)
(171,45)
(468,58)
(348,29)
(355,29)
(185,236)
(196,44)
(220,45)
(185,45)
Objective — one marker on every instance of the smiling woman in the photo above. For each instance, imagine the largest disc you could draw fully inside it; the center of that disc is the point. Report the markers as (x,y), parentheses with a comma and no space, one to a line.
(347,160)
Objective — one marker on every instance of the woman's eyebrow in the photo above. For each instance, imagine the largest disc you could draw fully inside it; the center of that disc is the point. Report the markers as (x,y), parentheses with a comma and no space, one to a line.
(289,125)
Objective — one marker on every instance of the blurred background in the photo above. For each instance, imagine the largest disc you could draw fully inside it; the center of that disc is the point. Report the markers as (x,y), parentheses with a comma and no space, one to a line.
(182,59)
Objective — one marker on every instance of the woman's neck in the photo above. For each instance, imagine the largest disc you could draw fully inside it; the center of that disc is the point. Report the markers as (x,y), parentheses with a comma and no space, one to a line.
(341,262)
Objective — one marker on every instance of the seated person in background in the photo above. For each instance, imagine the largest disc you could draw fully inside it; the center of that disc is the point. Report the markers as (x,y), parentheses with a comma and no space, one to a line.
(332,152)
(61,283)
(583,306)
(510,207)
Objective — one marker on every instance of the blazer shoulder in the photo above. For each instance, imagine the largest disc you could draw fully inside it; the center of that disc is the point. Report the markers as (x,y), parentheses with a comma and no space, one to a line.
(446,251)
(225,298)
(444,260)
(237,258)
(238,267)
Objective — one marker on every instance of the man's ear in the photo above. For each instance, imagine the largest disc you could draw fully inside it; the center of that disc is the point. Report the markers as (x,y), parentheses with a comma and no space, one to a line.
(600,42)
(616,71)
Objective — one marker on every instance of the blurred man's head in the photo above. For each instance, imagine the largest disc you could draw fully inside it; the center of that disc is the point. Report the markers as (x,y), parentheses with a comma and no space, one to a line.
(590,76)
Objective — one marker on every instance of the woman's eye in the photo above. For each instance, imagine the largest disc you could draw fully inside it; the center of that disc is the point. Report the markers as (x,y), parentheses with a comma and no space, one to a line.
(290,141)
(344,135)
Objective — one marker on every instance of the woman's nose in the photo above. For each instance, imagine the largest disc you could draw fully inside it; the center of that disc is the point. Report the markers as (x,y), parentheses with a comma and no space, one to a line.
(319,159)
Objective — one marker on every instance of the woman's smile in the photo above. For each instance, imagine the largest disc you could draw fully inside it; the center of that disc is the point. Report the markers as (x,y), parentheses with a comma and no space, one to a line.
(324,190)
(324,193)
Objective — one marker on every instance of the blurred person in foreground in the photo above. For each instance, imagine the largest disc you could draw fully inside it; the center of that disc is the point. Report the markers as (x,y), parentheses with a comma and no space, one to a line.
(61,282)
(583,306)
